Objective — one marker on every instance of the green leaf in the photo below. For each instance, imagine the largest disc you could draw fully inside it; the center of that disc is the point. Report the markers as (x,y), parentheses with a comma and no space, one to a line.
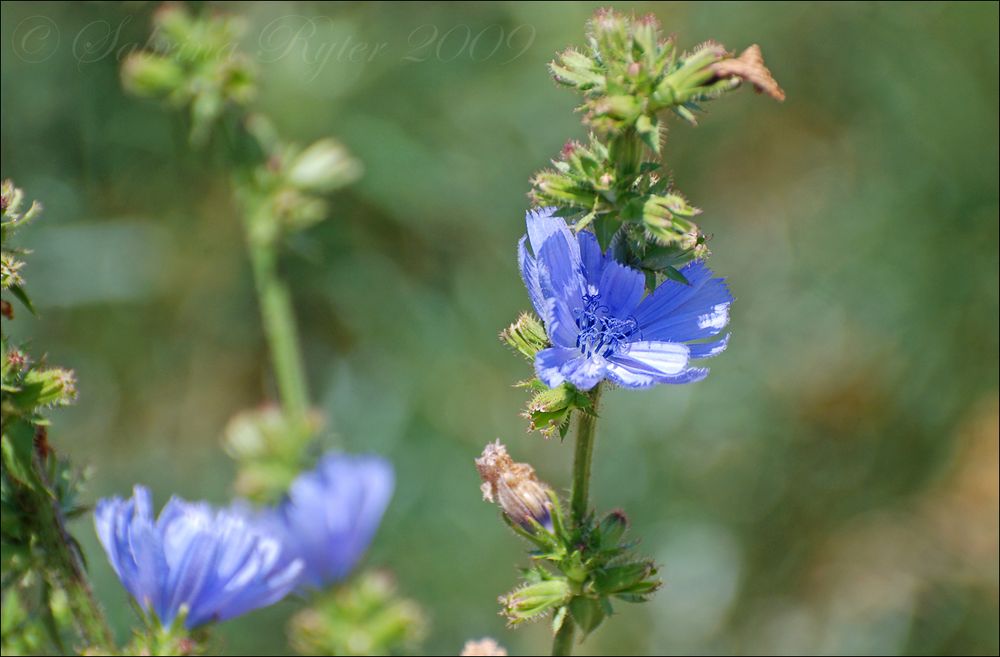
(17,445)
(624,578)
(648,129)
(673,274)
(22,296)
(587,612)
(605,228)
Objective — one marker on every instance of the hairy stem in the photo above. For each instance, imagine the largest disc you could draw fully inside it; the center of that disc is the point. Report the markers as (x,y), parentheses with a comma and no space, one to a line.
(563,642)
(586,423)
(282,334)
(67,572)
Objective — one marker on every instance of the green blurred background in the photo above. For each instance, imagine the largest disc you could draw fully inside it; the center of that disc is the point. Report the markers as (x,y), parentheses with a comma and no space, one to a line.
(831,488)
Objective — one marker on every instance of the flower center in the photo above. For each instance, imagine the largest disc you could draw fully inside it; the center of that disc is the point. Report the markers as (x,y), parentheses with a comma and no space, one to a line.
(601,333)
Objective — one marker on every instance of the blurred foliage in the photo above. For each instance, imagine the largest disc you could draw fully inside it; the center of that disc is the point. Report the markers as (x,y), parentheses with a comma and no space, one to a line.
(363,617)
(832,487)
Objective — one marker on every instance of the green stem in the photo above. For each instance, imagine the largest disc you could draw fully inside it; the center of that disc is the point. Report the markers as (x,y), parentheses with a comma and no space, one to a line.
(67,572)
(563,643)
(586,423)
(279,326)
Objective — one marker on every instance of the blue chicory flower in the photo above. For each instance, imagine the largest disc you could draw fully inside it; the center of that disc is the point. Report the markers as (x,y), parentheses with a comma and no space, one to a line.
(599,323)
(330,514)
(212,562)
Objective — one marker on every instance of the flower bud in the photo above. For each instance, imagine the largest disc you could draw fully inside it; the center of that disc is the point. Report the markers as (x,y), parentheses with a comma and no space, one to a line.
(612,528)
(267,447)
(533,600)
(549,411)
(627,578)
(149,75)
(526,336)
(323,167)
(514,487)
(51,387)
(666,219)
(485,647)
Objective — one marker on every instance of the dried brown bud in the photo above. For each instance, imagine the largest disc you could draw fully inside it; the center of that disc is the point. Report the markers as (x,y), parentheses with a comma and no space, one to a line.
(749,66)
(514,487)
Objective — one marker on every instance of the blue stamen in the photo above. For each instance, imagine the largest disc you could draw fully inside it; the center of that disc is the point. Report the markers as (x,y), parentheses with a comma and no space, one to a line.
(601,333)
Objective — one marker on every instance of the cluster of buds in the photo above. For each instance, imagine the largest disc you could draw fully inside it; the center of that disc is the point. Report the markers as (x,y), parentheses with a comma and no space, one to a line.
(629,76)
(285,193)
(631,73)
(37,488)
(549,409)
(195,65)
(269,450)
(28,387)
(577,571)
(366,616)
(15,216)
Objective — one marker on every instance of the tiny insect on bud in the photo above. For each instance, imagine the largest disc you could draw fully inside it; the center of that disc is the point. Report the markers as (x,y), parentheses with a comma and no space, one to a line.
(514,487)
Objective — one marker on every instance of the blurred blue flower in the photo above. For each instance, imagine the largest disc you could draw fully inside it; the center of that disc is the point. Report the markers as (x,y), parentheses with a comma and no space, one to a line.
(331,513)
(211,562)
(600,325)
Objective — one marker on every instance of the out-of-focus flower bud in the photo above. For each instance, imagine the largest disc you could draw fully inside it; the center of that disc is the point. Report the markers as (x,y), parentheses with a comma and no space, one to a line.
(150,75)
(365,616)
(268,449)
(485,647)
(514,487)
(323,167)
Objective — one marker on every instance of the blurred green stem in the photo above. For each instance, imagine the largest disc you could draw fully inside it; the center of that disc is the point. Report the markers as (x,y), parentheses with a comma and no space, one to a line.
(279,326)
(586,423)
(563,643)
(67,572)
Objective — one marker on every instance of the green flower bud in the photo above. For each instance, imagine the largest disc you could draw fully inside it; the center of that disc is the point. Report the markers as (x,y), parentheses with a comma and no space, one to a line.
(554,188)
(666,220)
(364,616)
(612,528)
(534,600)
(575,69)
(51,387)
(626,578)
(268,449)
(526,336)
(549,411)
(150,75)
